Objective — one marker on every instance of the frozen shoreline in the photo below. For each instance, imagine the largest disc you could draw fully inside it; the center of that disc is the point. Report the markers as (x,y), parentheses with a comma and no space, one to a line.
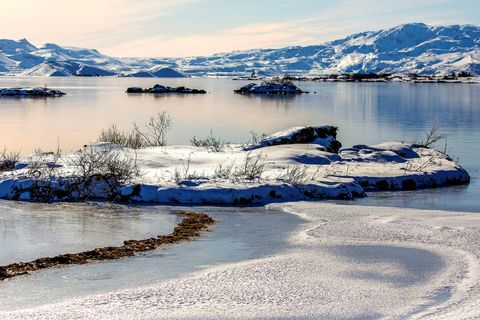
(348,261)
(300,163)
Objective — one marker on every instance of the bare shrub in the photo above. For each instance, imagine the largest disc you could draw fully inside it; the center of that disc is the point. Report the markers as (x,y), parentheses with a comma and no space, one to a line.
(156,129)
(185,173)
(255,139)
(106,163)
(43,165)
(432,137)
(295,175)
(107,167)
(252,167)
(211,143)
(8,160)
(225,171)
(154,134)
(130,139)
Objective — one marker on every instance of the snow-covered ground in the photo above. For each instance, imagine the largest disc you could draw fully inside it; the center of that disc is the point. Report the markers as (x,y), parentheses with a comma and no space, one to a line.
(235,175)
(347,262)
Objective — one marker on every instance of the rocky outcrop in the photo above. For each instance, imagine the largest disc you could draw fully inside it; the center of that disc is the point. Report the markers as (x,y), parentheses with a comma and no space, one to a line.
(30,92)
(324,136)
(164,89)
(279,88)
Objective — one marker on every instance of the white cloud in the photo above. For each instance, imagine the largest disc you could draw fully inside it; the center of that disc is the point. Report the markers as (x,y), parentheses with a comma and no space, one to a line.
(65,21)
(125,27)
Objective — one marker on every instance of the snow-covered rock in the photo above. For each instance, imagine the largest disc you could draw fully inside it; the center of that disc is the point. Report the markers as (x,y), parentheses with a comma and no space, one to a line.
(30,92)
(270,88)
(399,148)
(165,89)
(325,136)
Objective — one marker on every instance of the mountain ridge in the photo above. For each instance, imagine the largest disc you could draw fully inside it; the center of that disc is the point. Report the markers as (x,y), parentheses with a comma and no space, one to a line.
(407,48)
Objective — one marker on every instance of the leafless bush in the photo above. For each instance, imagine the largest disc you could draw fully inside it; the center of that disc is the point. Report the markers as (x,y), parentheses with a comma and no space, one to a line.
(182,174)
(252,167)
(432,137)
(43,165)
(295,175)
(154,134)
(156,130)
(255,139)
(8,160)
(211,143)
(115,166)
(224,171)
(132,139)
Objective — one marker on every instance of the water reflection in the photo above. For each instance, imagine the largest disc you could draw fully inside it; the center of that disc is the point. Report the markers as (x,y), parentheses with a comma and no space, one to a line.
(365,113)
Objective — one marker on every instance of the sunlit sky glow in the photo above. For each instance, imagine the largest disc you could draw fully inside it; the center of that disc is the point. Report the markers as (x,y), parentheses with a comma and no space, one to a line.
(163,28)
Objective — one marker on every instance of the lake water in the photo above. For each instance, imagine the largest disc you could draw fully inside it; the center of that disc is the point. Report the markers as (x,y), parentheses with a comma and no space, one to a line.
(29,231)
(365,113)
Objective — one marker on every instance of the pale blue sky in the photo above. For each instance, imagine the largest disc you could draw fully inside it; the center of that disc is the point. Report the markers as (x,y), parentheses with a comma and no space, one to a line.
(200,27)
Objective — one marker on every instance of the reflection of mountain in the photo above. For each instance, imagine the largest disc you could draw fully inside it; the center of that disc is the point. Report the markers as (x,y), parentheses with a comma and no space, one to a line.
(409,48)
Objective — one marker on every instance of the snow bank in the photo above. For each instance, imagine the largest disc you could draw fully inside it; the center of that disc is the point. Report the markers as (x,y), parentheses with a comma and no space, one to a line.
(282,167)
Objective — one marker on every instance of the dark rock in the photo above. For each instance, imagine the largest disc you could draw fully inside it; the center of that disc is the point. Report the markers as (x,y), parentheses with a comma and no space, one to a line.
(159,89)
(279,88)
(30,92)
(322,135)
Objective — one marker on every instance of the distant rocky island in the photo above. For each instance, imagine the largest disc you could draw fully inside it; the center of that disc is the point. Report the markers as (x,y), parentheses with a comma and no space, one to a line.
(164,89)
(460,77)
(275,86)
(30,92)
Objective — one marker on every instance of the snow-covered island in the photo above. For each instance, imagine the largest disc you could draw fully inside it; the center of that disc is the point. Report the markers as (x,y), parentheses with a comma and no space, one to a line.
(275,86)
(303,163)
(30,92)
(165,89)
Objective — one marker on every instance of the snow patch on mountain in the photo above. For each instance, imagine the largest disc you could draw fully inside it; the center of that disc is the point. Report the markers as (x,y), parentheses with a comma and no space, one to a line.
(409,48)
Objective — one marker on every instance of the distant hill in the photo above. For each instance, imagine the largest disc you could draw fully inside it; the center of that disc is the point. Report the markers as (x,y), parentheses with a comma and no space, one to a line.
(409,48)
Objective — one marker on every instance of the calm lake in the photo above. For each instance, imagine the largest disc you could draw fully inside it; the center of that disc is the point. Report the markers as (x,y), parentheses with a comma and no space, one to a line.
(365,113)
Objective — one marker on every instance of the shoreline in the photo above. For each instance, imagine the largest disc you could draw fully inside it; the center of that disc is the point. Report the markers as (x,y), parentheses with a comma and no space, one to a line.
(192,226)
(342,253)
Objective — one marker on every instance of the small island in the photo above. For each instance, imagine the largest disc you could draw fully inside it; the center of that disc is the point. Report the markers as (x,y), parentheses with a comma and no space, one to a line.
(30,92)
(275,86)
(165,89)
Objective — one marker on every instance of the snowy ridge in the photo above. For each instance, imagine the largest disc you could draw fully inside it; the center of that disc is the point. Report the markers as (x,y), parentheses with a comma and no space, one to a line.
(409,48)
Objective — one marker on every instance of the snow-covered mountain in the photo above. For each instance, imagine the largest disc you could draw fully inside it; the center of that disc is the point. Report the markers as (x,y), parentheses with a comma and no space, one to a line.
(408,48)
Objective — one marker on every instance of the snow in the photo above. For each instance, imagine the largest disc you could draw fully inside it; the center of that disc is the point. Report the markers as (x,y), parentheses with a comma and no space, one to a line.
(409,48)
(156,73)
(291,172)
(346,262)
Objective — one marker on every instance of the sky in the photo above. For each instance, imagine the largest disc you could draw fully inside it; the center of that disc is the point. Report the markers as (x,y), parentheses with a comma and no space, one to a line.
(177,28)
